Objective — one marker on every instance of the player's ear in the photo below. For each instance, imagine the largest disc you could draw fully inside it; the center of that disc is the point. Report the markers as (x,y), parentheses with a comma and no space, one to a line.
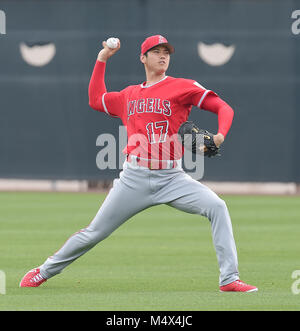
(143,58)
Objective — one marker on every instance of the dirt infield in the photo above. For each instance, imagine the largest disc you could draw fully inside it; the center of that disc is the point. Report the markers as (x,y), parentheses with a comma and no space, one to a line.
(264,188)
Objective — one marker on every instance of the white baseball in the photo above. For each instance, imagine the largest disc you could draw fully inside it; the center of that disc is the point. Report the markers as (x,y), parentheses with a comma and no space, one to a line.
(112,42)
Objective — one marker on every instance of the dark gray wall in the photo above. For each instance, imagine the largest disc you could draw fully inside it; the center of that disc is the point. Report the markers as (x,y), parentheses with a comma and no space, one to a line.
(47,129)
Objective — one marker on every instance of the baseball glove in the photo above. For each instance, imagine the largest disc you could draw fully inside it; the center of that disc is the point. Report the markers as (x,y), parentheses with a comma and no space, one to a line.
(197,140)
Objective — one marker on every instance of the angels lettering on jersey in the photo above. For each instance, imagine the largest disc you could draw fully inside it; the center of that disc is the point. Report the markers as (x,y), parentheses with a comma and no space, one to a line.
(149,105)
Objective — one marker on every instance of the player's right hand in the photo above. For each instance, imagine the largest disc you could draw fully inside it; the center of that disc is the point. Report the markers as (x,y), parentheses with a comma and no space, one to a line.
(107,52)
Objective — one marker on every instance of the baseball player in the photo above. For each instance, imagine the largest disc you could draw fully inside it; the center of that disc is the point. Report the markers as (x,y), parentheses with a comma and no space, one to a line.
(152,174)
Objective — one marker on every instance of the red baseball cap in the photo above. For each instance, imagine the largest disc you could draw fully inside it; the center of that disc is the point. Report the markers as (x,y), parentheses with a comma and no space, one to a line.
(156,40)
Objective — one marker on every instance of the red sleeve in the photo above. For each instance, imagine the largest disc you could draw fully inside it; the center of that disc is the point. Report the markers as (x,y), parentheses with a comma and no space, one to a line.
(97,86)
(225,113)
(113,103)
(192,93)
(99,99)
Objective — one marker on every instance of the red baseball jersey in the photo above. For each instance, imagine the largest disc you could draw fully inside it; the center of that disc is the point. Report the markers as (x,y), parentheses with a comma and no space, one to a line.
(153,114)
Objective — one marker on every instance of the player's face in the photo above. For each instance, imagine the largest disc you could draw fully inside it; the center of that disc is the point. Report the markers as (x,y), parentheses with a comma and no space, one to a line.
(157,59)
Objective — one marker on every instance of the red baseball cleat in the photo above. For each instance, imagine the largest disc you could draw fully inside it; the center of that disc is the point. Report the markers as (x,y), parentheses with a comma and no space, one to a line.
(33,278)
(238,286)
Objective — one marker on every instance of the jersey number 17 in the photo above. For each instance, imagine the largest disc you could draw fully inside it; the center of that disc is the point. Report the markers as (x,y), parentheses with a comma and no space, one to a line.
(161,127)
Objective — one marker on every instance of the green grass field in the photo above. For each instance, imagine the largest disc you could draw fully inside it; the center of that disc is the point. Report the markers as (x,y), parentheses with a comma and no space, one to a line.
(161,259)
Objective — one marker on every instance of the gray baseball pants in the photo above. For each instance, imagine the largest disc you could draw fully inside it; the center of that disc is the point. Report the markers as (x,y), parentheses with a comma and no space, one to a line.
(139,188)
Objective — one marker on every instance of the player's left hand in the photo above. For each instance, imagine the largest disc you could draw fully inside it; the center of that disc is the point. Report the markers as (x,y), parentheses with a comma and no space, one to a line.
(207,145)
(218,139)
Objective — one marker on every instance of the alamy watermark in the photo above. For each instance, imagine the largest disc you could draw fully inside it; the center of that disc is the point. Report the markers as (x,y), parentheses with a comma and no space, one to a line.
(295,288)
(2,22)
(147,150)
(2,282)
(296,24)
